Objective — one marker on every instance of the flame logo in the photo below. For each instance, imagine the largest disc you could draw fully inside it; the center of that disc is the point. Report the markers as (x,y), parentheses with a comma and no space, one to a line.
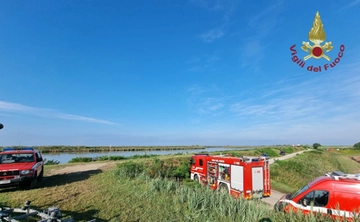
(317,36)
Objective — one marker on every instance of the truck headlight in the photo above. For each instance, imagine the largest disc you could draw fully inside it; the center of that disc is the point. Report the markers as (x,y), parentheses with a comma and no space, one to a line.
(26,171)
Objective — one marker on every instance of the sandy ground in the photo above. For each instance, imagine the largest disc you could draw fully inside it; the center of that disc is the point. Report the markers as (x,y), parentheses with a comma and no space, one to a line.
(275,195)
(356,158)
(81,168)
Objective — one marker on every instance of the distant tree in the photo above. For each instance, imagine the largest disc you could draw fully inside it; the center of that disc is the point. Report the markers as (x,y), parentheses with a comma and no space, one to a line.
(357,145)
(316,145)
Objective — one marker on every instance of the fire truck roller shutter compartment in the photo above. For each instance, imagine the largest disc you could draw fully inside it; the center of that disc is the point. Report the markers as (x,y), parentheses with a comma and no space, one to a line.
(257,179)
(237,177)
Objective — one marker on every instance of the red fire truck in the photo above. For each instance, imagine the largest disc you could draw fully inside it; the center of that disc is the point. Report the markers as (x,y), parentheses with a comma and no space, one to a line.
(247,177)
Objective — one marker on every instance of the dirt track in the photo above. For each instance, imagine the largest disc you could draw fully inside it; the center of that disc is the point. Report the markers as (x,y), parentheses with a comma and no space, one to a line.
(81,168)
(276,195)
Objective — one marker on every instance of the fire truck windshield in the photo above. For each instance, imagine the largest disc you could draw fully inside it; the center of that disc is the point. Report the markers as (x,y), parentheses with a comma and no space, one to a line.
(299,191)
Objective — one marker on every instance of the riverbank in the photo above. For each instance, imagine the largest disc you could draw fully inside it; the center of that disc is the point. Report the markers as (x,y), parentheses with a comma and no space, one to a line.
(98,190)
(63,157)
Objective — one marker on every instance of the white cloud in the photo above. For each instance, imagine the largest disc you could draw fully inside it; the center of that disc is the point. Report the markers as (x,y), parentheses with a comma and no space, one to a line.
(201,100)
(84,119)
(49,113)
(349,5)
(270,13)
(16,107)
(324,107)
(212,35)
(261,25)
(225,7)
(202,63)
(252,53)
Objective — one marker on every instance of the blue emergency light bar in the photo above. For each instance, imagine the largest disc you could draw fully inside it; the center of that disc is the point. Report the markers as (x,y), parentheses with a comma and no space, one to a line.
(13,149)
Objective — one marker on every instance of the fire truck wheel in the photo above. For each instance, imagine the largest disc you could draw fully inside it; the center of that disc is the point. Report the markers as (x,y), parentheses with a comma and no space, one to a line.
(223,188)
(196,178)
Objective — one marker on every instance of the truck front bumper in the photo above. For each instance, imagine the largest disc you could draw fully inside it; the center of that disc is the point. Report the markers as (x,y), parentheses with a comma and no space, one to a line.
(9,182)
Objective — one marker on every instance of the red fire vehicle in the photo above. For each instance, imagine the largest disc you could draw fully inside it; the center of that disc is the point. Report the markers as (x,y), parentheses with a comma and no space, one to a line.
(336,194)
(247,177)
(20,167)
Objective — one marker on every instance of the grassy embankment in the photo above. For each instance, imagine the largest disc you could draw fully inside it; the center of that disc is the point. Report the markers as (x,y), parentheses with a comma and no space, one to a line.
(121,194)
(289,175)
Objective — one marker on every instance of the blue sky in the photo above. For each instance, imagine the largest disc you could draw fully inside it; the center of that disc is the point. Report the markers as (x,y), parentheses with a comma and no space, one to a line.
(187,72)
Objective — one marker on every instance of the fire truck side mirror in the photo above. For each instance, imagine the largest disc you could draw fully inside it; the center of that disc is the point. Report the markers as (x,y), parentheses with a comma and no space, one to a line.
(192,161)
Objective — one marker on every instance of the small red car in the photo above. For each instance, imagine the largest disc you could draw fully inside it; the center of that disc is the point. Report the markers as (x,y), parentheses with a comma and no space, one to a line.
(21,167)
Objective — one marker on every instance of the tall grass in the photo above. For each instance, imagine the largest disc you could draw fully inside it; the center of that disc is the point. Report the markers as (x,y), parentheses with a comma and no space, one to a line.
(112,158)
(271,151)
(197,203)
(155,168)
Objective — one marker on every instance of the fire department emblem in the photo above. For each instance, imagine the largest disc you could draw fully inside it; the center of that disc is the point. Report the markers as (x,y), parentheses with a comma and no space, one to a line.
(317,36)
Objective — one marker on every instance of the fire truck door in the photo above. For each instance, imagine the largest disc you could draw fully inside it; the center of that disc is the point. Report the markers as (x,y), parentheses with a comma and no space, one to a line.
(237,177)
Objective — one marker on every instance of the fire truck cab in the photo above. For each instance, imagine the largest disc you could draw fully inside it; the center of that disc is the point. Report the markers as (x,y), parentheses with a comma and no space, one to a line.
(247,177)
(336,194)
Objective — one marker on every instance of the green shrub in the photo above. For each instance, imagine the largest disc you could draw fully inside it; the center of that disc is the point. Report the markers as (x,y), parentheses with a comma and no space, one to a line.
(288,150)
(181,171)
(268,151)
(102,158)
(316,145)
(52,162)
(129,169)
(318,151)
(81,159)
(357,145)
(156,168)
(139,156)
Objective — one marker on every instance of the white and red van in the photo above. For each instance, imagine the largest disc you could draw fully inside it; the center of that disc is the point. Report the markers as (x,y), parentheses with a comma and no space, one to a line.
(336,194)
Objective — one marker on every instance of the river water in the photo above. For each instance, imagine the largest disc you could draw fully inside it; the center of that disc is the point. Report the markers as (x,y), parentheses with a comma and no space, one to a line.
(66,157)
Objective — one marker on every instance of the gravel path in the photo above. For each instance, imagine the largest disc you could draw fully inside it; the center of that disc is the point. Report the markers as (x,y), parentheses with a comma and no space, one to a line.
(276,195)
